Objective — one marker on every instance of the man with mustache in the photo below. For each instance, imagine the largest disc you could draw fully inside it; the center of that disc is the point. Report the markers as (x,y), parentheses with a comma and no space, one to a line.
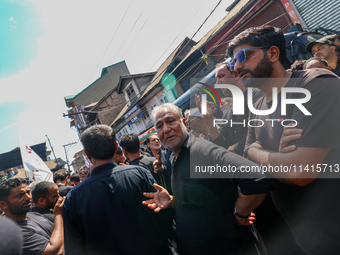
(39,234)
(45,195)
(327,50)
(308,197)
(207,210)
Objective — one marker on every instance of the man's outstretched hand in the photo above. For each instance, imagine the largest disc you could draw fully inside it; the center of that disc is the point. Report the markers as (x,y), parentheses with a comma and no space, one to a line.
(160,200)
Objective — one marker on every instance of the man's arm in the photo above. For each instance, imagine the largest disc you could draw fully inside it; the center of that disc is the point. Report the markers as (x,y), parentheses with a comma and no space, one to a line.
(298,159)
(245,205)
(56,242)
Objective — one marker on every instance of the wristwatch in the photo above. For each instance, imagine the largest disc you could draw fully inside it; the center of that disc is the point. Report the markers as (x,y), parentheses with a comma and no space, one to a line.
(239,215)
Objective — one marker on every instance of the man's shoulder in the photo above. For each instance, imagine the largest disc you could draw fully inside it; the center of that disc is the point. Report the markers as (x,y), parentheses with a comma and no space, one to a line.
(304,77)
(147,159)
(35,223)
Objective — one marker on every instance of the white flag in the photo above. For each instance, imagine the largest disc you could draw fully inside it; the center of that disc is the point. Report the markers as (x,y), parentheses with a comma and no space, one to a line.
(35,167)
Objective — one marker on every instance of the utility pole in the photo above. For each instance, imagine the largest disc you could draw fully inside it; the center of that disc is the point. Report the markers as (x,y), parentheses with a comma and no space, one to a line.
(51,146)
(68,166)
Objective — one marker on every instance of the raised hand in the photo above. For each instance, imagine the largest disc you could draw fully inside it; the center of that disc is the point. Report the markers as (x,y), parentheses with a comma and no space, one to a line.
(157,165)
(160,200)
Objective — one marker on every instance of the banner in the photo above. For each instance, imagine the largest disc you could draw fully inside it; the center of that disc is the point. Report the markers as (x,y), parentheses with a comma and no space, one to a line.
(35,167)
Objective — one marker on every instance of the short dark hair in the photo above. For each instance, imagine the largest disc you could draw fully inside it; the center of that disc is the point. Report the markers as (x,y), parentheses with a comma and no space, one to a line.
(130,143)
(75,177)
(323,61)
(297,65)
(264,36)
(41,190)
(84,170)
(147,139)
(99,141)
(60,175)
(119,152)
(7,185)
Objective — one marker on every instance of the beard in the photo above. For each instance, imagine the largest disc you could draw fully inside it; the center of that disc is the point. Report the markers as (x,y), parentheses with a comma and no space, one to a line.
(18,210)
(264,69)
(50,204)
(179,140)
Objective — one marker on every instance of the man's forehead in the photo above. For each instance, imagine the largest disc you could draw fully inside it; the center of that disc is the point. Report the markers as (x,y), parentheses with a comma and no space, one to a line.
(18,189)
(241,47)
(317,45)
(165,112)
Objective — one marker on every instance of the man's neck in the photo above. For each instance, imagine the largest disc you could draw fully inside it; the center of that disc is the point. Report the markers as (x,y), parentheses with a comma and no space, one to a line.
(155,152)
(16,217)
(61,183)
(99,162)
(278,80)
(133,156)
(333,61)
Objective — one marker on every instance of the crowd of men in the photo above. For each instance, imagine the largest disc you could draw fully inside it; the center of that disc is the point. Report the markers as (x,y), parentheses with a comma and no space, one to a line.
(153,201)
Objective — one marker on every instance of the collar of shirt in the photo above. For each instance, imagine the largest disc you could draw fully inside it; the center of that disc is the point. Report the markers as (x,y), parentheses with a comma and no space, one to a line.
(187,143)
(101,168)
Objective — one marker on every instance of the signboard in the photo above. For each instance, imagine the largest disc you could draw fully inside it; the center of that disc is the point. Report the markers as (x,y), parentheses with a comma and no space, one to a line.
(291,12)
(143,136)
(134,114)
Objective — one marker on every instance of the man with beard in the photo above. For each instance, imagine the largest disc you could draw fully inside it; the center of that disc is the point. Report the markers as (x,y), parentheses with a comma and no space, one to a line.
(325,49)
(155,147)
(45,195)
(207,210)
(307,200)
(39,234)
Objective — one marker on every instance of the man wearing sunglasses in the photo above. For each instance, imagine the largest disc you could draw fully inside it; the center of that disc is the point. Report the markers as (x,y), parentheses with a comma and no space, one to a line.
(306,199)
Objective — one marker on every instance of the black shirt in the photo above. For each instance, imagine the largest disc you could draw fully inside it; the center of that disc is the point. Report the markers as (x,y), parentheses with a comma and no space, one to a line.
(337,68)
(235,131)
(162,178)
(204,207)
(63,190)
(104,214)
(37,231)
(310,210)
(47,213)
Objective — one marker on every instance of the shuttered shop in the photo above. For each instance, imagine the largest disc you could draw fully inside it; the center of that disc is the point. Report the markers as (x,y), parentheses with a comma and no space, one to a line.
(319,13)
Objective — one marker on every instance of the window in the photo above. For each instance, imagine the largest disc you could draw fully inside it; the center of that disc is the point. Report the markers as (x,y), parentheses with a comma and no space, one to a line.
(130,92)
(145,113)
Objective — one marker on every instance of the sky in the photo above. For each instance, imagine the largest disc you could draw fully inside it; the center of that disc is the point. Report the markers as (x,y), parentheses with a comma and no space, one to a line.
(51,49)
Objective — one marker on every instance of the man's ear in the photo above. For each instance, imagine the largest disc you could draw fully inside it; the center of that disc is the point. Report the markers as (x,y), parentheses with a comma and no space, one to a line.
(333,48)
(273,54)
(87,154)
(185,122)
(116,148)
(126,153)
(42,201)
(3,205)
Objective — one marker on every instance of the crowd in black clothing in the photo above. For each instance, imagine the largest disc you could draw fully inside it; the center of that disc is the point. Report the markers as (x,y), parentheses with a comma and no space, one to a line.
(185,189)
